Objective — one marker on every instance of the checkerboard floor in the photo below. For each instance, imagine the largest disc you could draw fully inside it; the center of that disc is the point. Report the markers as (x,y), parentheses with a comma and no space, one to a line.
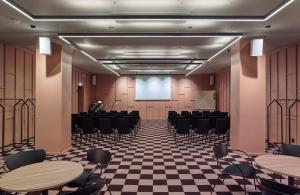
(152,163)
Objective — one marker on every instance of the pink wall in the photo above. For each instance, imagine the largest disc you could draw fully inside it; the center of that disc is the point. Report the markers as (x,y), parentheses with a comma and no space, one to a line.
(223,90)
(53,105)
(85,77)
(122,89)
(283,81)
(248,99)
(17,73)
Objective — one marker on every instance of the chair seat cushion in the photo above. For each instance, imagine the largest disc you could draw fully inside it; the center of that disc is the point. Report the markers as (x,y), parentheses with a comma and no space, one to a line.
(83,179)
(248,171)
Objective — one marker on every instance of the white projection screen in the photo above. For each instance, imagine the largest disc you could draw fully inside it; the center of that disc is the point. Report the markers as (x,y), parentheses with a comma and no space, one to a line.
(153,87)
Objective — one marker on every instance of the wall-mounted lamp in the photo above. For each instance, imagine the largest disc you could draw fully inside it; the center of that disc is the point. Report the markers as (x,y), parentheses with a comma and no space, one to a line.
(45,45)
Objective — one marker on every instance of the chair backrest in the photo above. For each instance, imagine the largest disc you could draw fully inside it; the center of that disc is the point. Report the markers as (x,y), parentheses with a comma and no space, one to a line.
(221,125)
(123,125)
(220,151)
(271,187)
(290,150)
(99,156)
(105,126)
(183,126)
(24,158)
(86,124)
(203,126)
(90,188)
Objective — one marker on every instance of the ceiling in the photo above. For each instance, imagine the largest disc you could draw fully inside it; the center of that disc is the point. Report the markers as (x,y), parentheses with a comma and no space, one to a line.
(150,36)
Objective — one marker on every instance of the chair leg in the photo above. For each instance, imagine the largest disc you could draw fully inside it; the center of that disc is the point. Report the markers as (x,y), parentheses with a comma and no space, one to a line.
(213,188)
(254,183)
(244,179)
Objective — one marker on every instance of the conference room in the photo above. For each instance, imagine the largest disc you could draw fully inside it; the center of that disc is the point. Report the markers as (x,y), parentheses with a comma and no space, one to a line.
(138,97)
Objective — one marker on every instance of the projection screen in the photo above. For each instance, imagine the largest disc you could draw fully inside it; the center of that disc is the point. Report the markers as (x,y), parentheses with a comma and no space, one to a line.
(153,87)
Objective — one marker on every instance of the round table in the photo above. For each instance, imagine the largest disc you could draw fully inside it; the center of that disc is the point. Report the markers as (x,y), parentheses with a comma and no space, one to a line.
(41,176)
(281,164)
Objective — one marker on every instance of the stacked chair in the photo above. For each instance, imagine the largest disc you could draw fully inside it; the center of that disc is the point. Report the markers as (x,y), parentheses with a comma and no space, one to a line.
(206,125)
(89,127)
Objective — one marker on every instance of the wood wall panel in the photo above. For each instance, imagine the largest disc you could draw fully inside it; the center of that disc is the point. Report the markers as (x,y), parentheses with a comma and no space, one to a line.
(222,81)
(283,74)
(13,77)
(122,89)
(85,77)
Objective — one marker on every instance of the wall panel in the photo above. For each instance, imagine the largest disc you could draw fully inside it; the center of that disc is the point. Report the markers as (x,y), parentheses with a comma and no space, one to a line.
(12,86)
(283,74)
(122,88)
(222,81)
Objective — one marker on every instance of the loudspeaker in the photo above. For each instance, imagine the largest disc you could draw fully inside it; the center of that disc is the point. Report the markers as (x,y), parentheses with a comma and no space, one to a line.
(257,47)
(45,45)
(94,80)
(211,80)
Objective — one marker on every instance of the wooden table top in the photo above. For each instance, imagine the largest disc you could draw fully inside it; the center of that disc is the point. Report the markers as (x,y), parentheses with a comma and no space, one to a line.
(281,164)
(40,176)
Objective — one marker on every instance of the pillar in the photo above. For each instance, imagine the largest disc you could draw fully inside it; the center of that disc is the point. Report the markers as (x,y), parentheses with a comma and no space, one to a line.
(53,100)
(248,99)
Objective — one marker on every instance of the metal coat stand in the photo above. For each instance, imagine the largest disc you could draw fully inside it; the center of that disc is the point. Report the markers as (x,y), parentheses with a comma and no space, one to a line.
(281,119)
(290,117)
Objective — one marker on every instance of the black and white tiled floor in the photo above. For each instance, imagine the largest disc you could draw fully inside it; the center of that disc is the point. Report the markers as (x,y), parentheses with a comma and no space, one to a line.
(152,163)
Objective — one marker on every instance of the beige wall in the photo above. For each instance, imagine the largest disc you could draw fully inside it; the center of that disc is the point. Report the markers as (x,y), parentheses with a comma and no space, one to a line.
(223,90)
(283,81)
(122,89)
(17,72)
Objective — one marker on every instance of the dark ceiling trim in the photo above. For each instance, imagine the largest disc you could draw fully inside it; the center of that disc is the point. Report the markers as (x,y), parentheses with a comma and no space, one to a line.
(188,17)
(76,35)
(151,59)
(149,63)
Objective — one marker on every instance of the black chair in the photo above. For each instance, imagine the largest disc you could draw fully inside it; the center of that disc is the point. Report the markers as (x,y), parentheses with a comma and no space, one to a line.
(271,187)
(221,128)
(24,158)
(288,149)
(87,127)
(202,127)
(90,188)
(99,157)
(74,126)
(245,170)
(124,127)
(105,127)
(182,127)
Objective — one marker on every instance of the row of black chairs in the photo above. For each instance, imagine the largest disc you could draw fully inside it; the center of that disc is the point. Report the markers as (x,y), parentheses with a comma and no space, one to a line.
(88,183)
(190,126)
(114,125)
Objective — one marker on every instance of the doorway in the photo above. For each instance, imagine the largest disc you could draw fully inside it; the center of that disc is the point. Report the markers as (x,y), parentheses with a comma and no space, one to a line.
(80,99)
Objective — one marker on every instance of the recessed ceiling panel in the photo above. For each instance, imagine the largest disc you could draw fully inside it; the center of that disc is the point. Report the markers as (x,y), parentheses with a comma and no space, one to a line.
(148,7)
(151,47)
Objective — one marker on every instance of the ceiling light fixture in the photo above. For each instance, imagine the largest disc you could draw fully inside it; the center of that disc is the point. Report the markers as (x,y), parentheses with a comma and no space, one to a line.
(274,12)
(19,9)
(64,40)
(88,55)
(111,70)
(152,70)
(32,17)
(215,55)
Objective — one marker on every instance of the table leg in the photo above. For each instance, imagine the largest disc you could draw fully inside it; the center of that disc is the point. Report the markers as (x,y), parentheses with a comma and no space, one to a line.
(45,192)
(291,181)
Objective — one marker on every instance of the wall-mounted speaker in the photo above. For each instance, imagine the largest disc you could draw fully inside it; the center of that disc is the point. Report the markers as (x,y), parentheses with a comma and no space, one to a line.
(257,47)
(45,45)
(94,80)
(212,80)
